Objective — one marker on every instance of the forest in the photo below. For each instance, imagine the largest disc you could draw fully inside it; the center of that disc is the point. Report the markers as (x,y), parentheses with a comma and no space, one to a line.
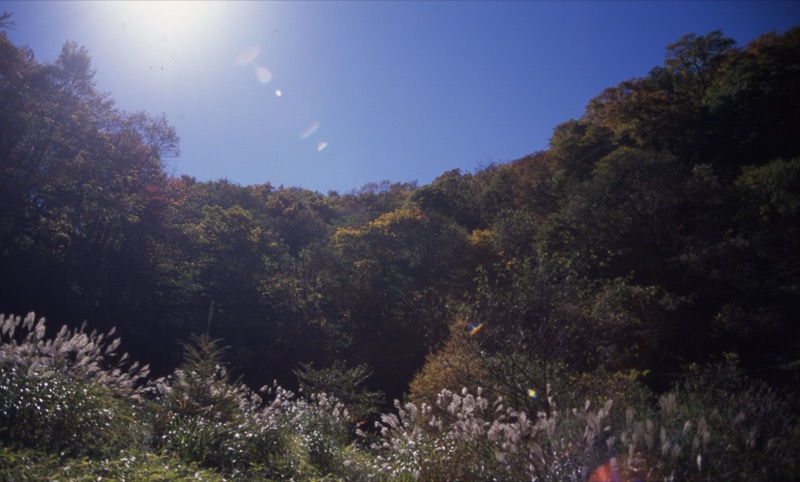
(618,306)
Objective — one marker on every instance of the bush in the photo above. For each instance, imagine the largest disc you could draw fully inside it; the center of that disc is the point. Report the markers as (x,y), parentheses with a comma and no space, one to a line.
(347,385)
(89,357)
(60,395)
(26,464)
(753,430)
(452,367)
(704,430)
(53,413)
(476,440)
(201,416)
(67,413)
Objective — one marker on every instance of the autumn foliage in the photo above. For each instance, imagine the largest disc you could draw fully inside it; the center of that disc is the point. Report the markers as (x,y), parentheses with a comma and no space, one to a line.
(622,303)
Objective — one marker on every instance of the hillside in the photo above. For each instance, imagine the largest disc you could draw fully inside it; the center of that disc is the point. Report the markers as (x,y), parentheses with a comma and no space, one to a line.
(650,253)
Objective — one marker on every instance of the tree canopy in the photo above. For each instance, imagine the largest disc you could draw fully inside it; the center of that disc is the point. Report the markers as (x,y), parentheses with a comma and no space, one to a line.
(657,230)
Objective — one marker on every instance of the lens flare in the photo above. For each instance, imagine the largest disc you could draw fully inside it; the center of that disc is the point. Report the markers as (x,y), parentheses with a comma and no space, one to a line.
(263,74)
(627,468)
(531,393)
(475,329)
(248,55)
(278,93)
(321,145)
(606,473)
(312,128)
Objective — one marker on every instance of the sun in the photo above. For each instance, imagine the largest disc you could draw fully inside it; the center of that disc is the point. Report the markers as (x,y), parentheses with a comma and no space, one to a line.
(160,20)
(161,45)
(162,29)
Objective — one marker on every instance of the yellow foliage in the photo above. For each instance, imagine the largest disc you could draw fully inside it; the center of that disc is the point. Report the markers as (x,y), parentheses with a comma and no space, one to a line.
(480,238)
(387,225)
(455,366)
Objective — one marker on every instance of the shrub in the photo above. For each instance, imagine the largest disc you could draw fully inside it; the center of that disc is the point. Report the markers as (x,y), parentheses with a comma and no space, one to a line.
(753,430)
(452,367)
(72,352)
(61,395)
(478,440)
(26,464)
(316,432)
(202,416)
(54,413)
(707,429)
(347,385)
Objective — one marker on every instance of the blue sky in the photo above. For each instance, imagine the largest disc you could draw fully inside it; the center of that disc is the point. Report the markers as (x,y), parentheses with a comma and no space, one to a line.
(333,95)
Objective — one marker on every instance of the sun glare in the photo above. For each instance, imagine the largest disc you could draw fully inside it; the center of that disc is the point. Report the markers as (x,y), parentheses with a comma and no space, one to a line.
(152,33)
(164,21)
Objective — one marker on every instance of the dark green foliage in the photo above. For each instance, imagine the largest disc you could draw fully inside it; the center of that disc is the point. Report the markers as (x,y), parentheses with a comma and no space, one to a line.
(202,416)
(64,394)
(28,465)
(348,385)
(754,429)
(717,423)
(202,385)
(453,195)
(752,106)
(55,414)
(200,411)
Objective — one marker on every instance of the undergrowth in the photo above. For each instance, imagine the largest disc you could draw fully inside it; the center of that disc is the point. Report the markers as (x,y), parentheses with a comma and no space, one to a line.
(72,408)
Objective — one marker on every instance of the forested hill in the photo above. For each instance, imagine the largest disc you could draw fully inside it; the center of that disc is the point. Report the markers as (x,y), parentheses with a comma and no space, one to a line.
(658,230)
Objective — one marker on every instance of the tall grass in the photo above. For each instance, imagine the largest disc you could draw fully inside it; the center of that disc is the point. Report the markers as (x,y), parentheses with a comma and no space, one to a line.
(71,408)
(71,393)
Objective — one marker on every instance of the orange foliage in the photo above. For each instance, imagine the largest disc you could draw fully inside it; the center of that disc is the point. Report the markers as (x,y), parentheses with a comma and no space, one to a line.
(454,366)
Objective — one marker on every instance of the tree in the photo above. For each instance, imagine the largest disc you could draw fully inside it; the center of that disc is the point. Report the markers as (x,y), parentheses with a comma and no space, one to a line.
(300,217)
(575,147)
(373,200)
(760,286)
(82,187)
(455,365)
(664,111)
(694,61)
(753,105)
(391,298)
(347,385)
(5,23)
(453,195)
